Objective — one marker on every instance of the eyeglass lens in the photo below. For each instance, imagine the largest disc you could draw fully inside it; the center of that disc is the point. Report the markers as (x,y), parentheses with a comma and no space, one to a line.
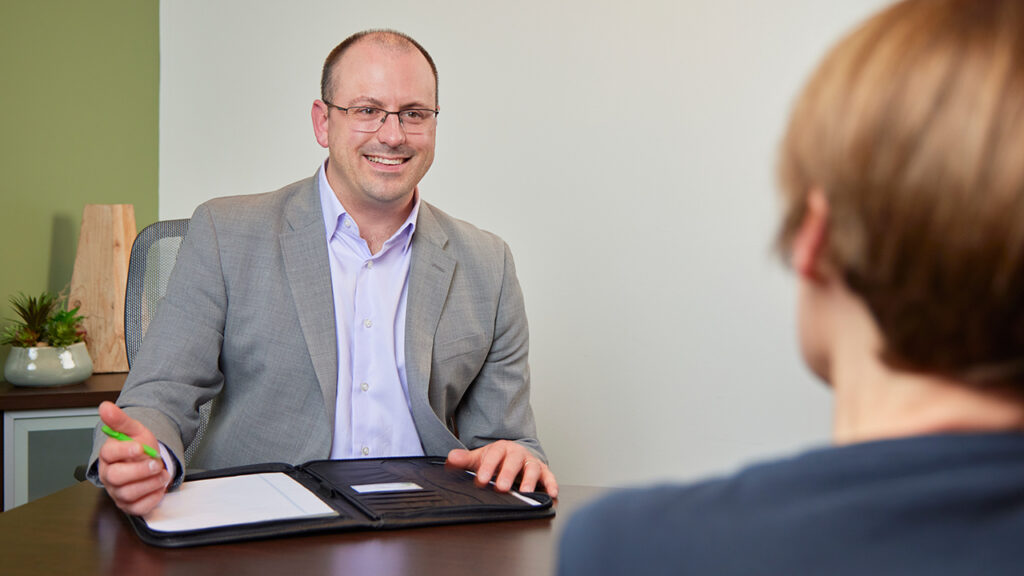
(367,119)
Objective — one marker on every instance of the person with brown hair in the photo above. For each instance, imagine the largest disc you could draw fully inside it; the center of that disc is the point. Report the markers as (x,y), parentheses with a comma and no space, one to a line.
(903,187)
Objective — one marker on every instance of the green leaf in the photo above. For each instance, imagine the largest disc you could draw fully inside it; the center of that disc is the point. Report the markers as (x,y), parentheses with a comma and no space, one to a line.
(44,318)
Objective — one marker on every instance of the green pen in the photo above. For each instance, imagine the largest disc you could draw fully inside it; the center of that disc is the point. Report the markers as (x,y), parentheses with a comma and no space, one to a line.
(126,438)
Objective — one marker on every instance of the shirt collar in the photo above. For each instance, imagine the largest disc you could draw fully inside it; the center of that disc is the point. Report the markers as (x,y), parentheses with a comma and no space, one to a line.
(334,212)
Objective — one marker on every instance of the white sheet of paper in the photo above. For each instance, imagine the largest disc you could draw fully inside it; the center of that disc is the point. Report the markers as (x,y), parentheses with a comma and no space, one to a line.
(235,500)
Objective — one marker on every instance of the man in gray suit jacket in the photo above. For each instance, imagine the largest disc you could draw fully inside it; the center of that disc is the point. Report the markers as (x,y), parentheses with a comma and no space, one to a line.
(266,313)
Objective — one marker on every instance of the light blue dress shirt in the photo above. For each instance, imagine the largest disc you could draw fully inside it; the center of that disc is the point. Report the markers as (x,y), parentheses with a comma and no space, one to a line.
(372,415)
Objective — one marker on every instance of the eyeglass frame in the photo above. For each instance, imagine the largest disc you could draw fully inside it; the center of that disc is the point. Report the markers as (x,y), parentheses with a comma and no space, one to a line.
(386,114)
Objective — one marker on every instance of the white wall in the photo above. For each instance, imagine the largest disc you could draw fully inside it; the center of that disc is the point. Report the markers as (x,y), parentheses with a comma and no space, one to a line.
(625,151)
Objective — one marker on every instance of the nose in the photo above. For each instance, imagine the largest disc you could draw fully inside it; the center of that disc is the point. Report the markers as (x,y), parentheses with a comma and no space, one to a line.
(391,132)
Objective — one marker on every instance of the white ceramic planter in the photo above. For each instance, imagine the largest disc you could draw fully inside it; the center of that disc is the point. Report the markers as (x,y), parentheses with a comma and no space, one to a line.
(48,366)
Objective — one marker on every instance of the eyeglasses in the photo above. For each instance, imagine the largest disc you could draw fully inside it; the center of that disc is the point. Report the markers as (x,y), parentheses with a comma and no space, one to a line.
(370,119)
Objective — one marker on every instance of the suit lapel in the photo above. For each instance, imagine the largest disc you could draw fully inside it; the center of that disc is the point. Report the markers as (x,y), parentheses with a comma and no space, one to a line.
(304,249)
(430,277)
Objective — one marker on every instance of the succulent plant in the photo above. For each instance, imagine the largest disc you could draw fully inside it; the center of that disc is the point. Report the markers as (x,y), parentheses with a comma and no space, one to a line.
(64,327)
(43,320)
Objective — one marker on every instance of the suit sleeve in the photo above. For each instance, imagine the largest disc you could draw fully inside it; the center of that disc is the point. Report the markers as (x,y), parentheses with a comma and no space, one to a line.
(497,405)
(177,367)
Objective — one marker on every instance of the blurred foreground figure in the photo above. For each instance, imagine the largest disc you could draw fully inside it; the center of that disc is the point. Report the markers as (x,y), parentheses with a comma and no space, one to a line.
(903,180)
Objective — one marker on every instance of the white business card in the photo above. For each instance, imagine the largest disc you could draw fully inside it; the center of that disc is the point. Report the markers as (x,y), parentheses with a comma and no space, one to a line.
(387,487)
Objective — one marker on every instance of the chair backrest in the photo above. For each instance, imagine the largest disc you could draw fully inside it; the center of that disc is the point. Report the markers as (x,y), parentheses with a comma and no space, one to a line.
(153,255)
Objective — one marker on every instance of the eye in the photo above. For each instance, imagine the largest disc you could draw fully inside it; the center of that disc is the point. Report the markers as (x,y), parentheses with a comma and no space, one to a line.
(415,115)
(365,111)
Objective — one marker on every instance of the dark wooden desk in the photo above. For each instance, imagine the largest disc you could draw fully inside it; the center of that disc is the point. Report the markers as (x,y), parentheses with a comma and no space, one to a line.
(96,389)
(88,394)
(78,531)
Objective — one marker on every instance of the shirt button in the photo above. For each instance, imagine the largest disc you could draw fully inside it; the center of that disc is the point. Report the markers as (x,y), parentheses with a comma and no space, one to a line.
(369,264)
(368,323)
(364,386)
(366,450)
(348,223)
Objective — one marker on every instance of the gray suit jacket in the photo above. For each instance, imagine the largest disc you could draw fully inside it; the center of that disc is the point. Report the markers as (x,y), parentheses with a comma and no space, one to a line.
(248,318)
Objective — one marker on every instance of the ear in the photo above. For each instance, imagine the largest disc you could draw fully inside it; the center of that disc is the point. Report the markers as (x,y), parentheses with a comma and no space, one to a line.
(809,241)
(319,115)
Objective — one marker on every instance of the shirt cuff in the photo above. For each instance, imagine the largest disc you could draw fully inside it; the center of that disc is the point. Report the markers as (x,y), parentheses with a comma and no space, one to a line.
(170,462)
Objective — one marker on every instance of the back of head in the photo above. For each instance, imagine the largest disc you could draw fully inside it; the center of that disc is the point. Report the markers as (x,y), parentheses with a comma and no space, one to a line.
(913,127)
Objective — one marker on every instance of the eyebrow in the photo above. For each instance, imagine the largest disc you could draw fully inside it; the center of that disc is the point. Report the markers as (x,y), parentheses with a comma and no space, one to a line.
(371,101)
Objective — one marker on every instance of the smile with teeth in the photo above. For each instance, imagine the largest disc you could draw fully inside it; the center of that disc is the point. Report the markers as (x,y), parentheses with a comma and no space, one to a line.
(386,161)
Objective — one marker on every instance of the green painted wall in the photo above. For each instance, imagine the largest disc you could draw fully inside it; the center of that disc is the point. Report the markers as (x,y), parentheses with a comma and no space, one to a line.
(78,125)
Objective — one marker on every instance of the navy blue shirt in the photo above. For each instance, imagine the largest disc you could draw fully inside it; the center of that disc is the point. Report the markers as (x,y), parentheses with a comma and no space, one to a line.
(933,505)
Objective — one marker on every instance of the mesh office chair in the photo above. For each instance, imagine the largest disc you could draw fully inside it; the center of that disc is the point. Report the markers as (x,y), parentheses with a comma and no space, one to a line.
(153,255)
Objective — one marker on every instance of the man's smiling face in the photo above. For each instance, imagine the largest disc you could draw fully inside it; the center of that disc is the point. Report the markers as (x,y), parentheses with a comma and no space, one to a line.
(381,169)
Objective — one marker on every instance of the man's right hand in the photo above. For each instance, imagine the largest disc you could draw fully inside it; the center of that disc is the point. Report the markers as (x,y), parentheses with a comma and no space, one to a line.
(135,481)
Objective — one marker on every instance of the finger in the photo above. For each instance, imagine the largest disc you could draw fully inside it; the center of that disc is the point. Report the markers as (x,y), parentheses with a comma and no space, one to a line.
(144,503)
(130,472)
(113,416)
(470,460)
(115,451)
(136,491)
(491,456)
(461,458)
(143,506)
(510,468)
(532,469)
(547,479)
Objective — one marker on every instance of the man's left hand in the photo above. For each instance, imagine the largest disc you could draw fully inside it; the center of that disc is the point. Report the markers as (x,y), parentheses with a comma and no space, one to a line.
(504,461)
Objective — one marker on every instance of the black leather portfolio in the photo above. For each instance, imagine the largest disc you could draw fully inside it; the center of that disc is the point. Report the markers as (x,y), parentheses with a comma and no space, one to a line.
(272,500)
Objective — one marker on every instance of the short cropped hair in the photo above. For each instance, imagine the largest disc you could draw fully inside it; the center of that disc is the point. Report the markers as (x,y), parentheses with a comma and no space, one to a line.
(913,127)
(385,37)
